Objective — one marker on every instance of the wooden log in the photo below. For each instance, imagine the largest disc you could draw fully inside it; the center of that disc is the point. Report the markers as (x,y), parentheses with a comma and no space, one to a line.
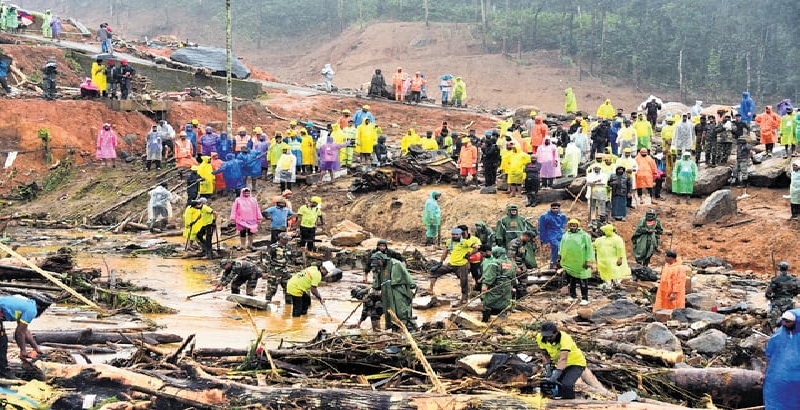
(728,387)
(634,350)
(90,337)
(205,391)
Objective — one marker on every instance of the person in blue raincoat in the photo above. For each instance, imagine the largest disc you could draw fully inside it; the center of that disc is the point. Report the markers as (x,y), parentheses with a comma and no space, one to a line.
(747,107)
(551,229)
(191,136)
(362,115)
(296,145)
(231,171)
(782,379)
(224,145)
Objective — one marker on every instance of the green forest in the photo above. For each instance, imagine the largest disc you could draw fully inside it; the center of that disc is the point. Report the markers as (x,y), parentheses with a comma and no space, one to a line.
(712,47)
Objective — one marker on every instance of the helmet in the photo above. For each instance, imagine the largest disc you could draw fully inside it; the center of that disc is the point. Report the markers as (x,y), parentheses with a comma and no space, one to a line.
(345,111)
(328,266)
(365,106)
(382,242)
(309,124)
(258,130)
(195,122)
(316,199)
(241,129)
(292,122)
(783,265)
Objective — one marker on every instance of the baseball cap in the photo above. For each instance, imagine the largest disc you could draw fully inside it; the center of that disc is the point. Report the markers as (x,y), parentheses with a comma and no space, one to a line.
(548,329)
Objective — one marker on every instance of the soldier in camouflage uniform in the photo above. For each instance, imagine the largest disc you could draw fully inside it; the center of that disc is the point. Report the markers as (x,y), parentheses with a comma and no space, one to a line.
(238,272)
(711,146)
(372,308)
(499,279)
(744,153)
(725,139)
(522,251)
(282,260)
(781,292)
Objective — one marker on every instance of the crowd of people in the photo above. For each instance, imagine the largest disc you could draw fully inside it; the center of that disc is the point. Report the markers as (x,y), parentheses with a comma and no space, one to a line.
(413,88)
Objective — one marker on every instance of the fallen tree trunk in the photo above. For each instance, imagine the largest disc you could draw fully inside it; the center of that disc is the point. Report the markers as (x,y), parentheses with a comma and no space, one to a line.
(208,392)
(634,350)
(731,388)
(90,337)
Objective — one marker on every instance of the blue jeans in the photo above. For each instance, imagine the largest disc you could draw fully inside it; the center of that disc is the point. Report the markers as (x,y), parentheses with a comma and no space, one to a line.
(555,244)
(103,46)
(108,47)
(445,96)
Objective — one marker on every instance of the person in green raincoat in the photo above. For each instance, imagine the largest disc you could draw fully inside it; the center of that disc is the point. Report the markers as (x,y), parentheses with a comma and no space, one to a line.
(570,103)
(575,256)
(499,276)
(47,31)
(789,132)
(396,288)
(684,173)
(646,237)
(484,233)
(612,263)
(511,226)
(796,129)
(432,217)
(459,93)
(11,18)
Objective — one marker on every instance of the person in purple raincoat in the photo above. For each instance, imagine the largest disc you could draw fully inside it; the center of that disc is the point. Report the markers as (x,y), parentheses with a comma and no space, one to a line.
(208,142)
(328,154)
(262,146)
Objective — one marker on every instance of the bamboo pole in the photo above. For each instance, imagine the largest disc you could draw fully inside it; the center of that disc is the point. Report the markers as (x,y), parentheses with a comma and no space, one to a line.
(50,277)
(438,387)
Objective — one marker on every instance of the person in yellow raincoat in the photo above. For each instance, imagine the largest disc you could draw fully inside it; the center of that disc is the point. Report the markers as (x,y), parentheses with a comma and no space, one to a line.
(350,133)
(606,110)
(459,93)
(429,143)
(275,150)
(191,223)
(504,125)
(308,151)
(408,140)
(612,263)
(366,137)
(515,169)
(99,76)
(570,103)
(339,137)
(206,186)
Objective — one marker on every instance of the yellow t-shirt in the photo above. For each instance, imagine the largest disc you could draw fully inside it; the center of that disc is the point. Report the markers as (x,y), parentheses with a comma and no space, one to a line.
(574,357)
(459,250)
(308,216)
(303,281)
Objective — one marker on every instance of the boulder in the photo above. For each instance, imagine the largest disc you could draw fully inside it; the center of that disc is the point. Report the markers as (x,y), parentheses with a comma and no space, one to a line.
(754,343)
(689,315)
(657,336)
(489,190)
(562,182)
(346,226)
(522,113)
(710,261)
(716,206)
(349,238)
(770,173)
(576,185)
(700,301)
(710,180)
(709,342)
(552,195)
(212,58)
(710,283)
(616,310)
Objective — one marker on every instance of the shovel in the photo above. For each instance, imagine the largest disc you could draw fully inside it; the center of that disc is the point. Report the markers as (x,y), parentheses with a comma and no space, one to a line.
(205,292)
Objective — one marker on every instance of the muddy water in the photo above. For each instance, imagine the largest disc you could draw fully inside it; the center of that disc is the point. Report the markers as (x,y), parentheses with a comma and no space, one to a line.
(215,321)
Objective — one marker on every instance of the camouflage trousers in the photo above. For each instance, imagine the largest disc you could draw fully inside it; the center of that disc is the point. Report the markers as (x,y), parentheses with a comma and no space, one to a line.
(740,173)
(725,149)
(276,279)
(779,306)
(249,279)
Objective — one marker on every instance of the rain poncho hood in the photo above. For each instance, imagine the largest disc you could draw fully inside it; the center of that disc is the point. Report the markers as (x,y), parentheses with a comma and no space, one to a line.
(245,212)
(576,250)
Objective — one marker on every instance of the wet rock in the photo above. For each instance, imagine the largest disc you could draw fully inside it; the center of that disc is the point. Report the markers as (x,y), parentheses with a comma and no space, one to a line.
(551,195)
(619,309)
(709,342)
(663,315)
(719,204)
(710,261)
(684,334)
(644,273)
(212,58)
(413,187)
(689,315)
(710,283)
(489,190)
(348,238)
(563,182)
(425,302)
(754,343)
(710,180)
(346,226)
(466,321)
(576,185)
(700,300)
(770,173)
(657,336)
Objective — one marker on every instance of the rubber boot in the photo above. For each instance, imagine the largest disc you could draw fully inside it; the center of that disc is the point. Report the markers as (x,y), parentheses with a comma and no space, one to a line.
(460,182)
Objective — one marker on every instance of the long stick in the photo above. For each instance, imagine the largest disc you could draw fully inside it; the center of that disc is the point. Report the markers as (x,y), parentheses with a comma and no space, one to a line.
(326,309)
(50,277)
(205,292)
(577,198)
(353,311)
(437,384)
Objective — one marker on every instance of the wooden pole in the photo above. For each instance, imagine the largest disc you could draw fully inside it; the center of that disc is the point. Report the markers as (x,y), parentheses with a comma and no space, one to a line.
(438,387)
(50,277)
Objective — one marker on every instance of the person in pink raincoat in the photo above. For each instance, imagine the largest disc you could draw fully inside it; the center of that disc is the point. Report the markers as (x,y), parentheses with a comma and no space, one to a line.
(107,145)
(328,154)
(547,155)
(246,213)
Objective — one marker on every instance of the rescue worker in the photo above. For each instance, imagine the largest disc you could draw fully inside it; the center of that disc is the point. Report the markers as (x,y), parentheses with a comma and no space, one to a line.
(575,256)
(411,138)
(564,358)
(794,190)
(522,251)
(490,158)
(459,93)
(459,250)
(382,246)
(396,288)
(432,217)
(99,76)
(397,80)
(497,283)
(781,292)
(606,110)
(646,237)
(282,259)
(377,86)
(551,229)
(371,308)
(532,179)
(769,123)
(310,216)
(612,263)
(20,309)
(429,143)
(159,208)
(788,133)
(672,287)
(485,234)
(207,222)
(467,162)
(239,272)
(303,284)
(621,192)
(49,75)
(711,146)
(684,139)
(652,108)
(683,176)
(366,138)
(644,132)
(646,172)
(153,148)
(125,75)
(570,104)
(783,369)
(596,192)
(700,131)
(511,226)
(725,139)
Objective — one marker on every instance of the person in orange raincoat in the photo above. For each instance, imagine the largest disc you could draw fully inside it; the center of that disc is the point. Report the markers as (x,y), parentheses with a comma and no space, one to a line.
(219,181)
(397,79)
(769,123)
(646,172)
(183,152)
(672,289)
(538,133)
(467,161)
(417,82)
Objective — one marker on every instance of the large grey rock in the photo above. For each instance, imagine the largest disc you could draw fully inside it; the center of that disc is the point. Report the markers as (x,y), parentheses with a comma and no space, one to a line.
(489,190)
(212,58)
(716,206)
(689,315)
(709,342)
(710,180)
(616,310)
(562,182)
(657,336)
(552,195)
(754,343)
(708,261)
(576,185)
(350,238)
(700,301)
(771,173)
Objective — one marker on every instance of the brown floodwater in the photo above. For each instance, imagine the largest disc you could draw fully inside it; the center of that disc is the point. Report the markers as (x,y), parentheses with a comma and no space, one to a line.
(214,321)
